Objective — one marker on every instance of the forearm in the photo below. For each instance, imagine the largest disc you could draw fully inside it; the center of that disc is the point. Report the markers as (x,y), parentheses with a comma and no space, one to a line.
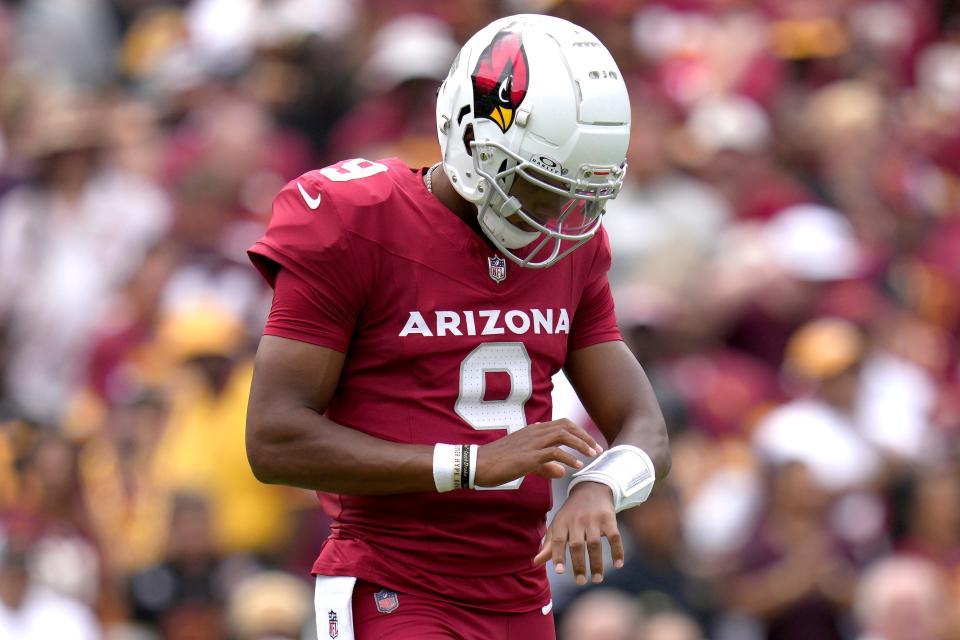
(647,432)
(306,449)
(290,441)
(617,394)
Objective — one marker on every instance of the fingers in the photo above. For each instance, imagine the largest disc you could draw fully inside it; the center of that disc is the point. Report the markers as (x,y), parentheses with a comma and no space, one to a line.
(574,442)
(578,563)
(558,549)
(559,454)
(612,533)
(595,555)
(586,550)
(551,470)
(546,551)
(586,553)
(541,448)
(576,437)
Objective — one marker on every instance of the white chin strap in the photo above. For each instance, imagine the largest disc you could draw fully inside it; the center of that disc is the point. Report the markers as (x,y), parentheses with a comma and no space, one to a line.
(509,235)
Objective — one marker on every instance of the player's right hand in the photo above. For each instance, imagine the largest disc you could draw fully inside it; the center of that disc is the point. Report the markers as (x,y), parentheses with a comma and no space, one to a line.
(537,448)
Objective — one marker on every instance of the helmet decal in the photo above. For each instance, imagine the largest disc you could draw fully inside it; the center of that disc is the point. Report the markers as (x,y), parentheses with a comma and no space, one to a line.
(548,164)
(500,79)
(573,151)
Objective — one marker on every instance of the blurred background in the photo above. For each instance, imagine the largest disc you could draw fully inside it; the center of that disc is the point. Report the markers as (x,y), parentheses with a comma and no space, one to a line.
(787,269)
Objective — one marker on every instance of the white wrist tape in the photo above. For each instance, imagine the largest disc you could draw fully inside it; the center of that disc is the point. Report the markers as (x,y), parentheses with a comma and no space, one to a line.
(454,466)
(445,476)
(626,469)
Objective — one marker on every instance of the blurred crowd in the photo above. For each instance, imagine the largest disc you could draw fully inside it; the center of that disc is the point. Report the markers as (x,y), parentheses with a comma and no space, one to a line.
(787,270)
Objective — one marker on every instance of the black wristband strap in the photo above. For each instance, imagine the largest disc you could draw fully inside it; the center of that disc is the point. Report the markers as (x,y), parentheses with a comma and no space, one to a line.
(465,466)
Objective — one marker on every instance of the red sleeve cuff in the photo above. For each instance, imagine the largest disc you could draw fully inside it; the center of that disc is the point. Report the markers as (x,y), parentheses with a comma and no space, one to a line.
(588,341)
(310,338)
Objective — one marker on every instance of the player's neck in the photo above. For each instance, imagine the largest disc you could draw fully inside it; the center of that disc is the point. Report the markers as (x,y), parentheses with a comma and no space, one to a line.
(448,196)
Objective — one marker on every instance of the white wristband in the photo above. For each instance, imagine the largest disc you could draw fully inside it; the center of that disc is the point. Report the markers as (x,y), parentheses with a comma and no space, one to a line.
(626,469)
(454,466)
(443,467)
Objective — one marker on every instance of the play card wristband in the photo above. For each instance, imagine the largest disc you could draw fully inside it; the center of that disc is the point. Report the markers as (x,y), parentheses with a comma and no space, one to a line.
(454,466)
(626,469)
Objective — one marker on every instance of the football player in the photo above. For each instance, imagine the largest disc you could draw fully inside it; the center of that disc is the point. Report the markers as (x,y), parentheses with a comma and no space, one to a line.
(418,317)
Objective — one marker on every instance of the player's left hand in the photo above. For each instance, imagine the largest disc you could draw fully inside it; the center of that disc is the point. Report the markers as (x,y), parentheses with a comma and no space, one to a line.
(585,518)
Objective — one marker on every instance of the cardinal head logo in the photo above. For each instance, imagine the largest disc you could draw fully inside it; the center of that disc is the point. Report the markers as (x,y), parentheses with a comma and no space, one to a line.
(500,80)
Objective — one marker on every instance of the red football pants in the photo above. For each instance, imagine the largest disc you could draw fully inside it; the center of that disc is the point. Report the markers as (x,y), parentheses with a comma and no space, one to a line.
(411,617)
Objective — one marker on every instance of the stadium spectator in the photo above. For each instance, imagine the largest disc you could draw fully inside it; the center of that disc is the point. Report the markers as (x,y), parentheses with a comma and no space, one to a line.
(602,614)
(126,498)
(820,428)
(30,611)
(184,595)
(795,575)
(670,625)
(932,517)
(52,512)
(902,598)
(270,606)
(67,244)
(207,408)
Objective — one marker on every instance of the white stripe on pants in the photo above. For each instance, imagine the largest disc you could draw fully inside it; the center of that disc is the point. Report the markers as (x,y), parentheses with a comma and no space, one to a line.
(333,600)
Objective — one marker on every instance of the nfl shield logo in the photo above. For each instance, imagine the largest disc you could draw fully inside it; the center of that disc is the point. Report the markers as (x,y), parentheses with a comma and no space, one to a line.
(498,268)
(387,601)
(332,629)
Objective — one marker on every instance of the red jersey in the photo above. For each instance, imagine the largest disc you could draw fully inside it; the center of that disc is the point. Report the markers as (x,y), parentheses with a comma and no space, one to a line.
(446,341)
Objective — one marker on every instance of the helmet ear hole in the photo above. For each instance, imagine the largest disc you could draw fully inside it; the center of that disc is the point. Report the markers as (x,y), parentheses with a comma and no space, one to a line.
(467,139)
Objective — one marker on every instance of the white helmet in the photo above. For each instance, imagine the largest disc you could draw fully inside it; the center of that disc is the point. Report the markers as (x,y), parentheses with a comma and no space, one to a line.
(541,98)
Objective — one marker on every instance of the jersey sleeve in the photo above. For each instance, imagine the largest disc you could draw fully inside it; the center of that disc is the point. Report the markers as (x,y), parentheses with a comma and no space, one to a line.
(320,282)
(595,319)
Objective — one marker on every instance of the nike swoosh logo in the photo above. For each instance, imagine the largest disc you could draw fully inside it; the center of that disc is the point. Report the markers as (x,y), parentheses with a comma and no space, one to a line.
(313,203)
(545,609)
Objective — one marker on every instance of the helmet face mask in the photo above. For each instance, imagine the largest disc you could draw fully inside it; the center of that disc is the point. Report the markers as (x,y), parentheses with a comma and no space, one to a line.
(535,103)
(550,234)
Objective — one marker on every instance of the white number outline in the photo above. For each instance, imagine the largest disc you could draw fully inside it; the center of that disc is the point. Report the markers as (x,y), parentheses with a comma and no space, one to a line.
(351,170)
(516,364)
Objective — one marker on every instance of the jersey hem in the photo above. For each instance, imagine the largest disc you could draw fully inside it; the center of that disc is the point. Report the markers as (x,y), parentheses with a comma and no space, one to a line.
(533,603)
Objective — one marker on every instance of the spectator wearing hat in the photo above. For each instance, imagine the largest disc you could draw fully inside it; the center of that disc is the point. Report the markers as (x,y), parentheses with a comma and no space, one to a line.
(819,428)
(768,277)
(67,242)
(408,58)
(205,348)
